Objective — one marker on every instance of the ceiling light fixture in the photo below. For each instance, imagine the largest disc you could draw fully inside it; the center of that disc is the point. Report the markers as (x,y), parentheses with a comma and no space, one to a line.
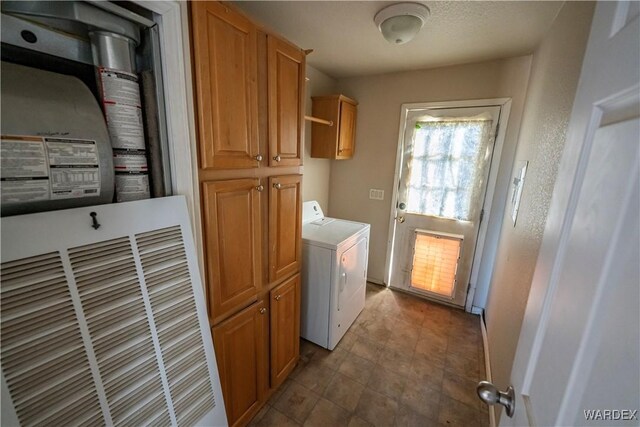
(400,22)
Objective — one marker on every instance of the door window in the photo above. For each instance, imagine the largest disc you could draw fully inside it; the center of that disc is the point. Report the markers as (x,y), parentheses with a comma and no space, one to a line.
(447,158)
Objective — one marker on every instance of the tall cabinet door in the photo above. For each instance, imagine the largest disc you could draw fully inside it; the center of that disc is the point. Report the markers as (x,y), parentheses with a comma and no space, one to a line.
(347,136)
(225,56)
(231,211)
(240,352)
(285,205)
(286,83)
(285,329)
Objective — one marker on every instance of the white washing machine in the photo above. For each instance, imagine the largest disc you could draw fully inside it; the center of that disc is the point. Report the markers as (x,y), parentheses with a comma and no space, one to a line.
(334,275)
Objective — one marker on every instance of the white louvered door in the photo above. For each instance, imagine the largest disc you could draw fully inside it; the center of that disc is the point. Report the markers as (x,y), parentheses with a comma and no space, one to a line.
(105,326)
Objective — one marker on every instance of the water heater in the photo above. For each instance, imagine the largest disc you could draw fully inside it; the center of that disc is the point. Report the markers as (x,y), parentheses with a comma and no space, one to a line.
(56,151)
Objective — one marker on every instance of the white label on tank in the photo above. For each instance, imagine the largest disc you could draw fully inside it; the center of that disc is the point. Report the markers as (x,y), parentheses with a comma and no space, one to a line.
(125,126)
(130,161)
(120,87)
(23,170)
(74,168)
(131,187)
(36,169)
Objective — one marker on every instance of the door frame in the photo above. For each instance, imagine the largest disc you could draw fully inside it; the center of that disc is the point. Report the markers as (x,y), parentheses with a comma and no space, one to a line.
(505,110)
(172,18)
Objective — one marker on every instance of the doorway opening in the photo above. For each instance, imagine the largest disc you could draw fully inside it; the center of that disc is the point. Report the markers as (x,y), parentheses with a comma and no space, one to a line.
(446,169)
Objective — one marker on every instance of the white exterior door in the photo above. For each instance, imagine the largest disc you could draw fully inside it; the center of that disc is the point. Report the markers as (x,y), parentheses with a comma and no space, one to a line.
(579,350)
(444,169)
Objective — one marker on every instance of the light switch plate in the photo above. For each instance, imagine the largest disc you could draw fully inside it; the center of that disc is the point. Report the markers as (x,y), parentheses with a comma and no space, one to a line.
(376,194)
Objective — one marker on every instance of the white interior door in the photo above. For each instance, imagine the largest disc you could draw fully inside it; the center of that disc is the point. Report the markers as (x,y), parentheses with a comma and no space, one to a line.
(443,175)
(579,350)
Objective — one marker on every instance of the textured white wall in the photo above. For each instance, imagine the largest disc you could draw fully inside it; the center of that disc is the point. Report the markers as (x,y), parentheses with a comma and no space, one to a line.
(315,180)
(554,79)
(373,165)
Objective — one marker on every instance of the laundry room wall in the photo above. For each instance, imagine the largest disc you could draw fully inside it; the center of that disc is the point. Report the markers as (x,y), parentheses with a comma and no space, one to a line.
(373,166)
(554,78)
(315,181)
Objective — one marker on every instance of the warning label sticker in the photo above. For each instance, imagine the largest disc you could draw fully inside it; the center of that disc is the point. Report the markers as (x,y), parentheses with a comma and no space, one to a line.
(131,187)
(120,87)
(37,169)
(125,126)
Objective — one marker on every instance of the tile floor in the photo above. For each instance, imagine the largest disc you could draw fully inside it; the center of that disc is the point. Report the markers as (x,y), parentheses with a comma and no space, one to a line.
(404,362)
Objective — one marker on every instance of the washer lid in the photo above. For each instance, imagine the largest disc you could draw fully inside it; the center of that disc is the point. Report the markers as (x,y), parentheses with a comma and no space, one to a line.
(330,232)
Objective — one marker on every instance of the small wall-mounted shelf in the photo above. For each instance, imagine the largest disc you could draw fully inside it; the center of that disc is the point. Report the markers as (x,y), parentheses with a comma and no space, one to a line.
(333,142)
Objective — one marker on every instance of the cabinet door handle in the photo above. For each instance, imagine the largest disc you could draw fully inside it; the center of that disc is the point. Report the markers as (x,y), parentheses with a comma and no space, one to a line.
(263,310)
(260,188)
(258,157)
(277,158)
(278,297)
(277,186)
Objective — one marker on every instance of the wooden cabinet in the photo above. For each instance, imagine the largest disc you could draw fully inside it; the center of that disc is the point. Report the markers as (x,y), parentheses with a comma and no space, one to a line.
(285,86)
(226,72)
(240,352)
(249,87)
(232,228)
(285,222)
(337,141)
(285,329)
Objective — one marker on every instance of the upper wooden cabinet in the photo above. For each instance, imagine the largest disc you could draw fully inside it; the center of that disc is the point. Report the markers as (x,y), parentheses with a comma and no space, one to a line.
(285,216)
(226,72)
(231,214)
(285,91)
(240,352)
(285,329)
(337,141)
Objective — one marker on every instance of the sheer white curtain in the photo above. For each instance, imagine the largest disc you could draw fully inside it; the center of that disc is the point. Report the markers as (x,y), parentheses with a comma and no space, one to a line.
(447,167)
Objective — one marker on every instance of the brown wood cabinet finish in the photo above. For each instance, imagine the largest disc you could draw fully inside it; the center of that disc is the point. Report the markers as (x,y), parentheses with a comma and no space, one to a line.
(337,141)
(285,88)
(226,72)
(285,329)
(249,89)
(231,211)
(285,218)
(239,344)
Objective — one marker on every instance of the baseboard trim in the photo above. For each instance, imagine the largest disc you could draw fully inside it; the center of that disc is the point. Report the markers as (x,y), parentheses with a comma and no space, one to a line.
(376,281)
(487,365)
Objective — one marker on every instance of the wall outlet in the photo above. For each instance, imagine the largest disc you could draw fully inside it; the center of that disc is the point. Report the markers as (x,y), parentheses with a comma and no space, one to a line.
(376,194)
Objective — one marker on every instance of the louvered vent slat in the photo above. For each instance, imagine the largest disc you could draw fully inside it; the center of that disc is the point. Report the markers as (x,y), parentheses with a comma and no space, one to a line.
(174,351)
(36,325)
(166,273)
(112,301)
(129,404)
(147,415)
(42,348)
(34,371)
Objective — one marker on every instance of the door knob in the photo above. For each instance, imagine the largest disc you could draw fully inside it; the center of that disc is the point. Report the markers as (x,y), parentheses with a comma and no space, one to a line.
(402,206)
(277,186)
(258,157)
(278,297)
(260,187)
(277,158)
(400,219)
(490,395)
(263,310)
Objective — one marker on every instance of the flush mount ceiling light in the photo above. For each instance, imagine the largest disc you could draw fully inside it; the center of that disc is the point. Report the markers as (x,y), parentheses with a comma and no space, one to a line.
(400,22)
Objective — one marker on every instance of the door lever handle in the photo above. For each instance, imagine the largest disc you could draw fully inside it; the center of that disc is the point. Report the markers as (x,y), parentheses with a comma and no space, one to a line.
(490,395)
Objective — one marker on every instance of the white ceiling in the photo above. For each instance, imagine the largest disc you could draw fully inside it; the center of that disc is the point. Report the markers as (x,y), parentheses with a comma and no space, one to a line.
(347,43)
